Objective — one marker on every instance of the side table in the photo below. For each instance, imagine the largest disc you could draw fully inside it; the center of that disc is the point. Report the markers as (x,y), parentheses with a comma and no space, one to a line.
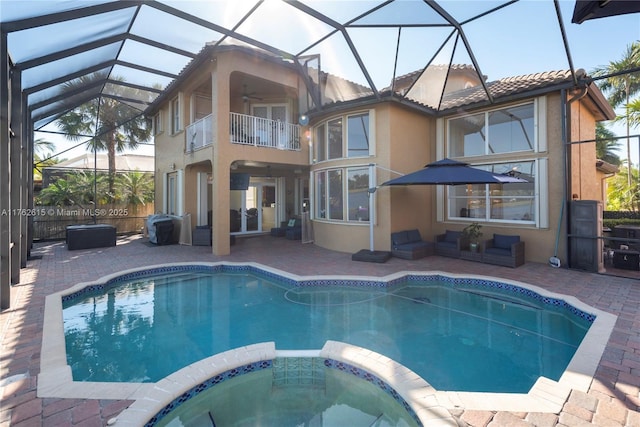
(471,256)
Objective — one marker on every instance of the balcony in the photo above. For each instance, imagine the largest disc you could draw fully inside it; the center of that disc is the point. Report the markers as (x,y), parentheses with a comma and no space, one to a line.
(245,130)
(199,134)
(259,132)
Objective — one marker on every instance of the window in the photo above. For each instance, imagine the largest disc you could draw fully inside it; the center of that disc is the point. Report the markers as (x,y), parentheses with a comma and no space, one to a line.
(321,194)
(497,202)
(334,128)
(358,135)
(337,199)
(336,141)
(358,194)
(321,143)
(175,115)
(512,133)
(506,130)
(172,193)
(157,123)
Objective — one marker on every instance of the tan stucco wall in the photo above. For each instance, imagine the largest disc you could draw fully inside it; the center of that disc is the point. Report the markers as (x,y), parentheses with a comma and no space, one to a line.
(585,183)
(402,145)
(217,158)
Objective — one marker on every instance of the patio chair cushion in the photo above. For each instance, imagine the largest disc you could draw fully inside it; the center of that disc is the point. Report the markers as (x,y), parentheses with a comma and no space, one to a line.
(498,251)
(400,238)
(414,235)
(452,236)
(502,241)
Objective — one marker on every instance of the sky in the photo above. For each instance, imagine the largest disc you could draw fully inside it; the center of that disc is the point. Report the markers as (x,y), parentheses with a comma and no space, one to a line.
(523,38)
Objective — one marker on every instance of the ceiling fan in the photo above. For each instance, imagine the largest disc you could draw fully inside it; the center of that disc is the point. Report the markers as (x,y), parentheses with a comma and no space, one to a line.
(246,96)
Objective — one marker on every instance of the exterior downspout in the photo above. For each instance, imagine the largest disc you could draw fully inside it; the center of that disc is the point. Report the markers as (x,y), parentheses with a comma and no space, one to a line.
(566,130)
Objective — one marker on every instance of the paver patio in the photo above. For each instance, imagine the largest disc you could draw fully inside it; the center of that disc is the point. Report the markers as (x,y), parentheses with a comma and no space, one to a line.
(612,400)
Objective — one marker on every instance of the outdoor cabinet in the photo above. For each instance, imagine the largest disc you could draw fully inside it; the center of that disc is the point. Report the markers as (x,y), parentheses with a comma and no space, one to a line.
(585,241)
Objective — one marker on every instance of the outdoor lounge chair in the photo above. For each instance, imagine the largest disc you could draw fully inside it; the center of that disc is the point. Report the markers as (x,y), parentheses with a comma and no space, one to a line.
(284,227)
(294,232)
(503,250)
(450,243)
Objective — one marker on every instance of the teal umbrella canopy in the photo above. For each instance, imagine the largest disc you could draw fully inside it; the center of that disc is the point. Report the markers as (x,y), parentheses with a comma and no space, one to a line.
(452,172)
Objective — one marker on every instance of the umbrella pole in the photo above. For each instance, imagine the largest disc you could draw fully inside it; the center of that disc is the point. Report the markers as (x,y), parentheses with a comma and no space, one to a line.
(371,193)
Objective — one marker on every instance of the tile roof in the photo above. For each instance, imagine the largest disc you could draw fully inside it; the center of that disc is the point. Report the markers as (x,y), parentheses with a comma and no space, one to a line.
(507,87)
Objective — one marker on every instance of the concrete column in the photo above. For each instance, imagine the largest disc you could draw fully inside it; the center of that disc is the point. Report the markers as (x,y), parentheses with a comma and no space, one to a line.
(220,242)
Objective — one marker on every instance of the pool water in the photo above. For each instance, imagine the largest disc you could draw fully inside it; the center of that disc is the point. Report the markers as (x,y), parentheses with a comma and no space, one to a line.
(320,397)
(457,336)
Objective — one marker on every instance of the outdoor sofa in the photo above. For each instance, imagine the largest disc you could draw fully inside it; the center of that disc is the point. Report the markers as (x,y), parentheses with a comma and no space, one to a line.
(408,244)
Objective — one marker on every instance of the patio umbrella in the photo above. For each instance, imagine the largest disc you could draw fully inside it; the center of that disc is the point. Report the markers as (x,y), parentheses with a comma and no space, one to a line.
(593,9)
(452,172)
(442,172)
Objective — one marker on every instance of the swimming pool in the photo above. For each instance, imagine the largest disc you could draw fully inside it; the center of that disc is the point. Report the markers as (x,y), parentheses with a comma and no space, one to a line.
(56,380)
(460,335)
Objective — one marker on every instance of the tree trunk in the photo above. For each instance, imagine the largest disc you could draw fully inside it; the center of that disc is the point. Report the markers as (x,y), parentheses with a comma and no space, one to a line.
(111,154)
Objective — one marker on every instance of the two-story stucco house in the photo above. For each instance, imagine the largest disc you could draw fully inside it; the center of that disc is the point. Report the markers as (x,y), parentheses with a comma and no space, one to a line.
(246,140)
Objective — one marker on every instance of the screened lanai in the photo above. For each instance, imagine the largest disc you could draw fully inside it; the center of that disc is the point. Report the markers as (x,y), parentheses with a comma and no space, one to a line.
(58,55)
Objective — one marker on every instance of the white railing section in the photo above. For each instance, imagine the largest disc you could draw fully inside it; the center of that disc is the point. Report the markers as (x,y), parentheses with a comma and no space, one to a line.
(251,130)
(199,134)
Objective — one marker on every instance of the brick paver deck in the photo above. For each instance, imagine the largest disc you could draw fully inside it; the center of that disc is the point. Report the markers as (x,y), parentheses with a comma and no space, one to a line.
(612,400)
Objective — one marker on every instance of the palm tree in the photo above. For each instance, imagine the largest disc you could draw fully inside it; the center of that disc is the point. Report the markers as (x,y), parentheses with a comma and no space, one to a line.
(116,126)
(135,188)
(607,145)
(634,113)
(46,148)
(41,145)
(75,189)
(620,195)
(622,85)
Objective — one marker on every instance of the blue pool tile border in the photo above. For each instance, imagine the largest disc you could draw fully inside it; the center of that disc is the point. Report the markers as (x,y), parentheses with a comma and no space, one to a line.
(410,279)
(206,385)
(369,377)
(268,364)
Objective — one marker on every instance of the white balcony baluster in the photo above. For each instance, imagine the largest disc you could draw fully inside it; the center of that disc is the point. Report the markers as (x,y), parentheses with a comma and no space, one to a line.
(260,132)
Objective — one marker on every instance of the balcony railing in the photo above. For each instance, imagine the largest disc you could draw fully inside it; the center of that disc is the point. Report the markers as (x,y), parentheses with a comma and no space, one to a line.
(247,130)
(199,134)
(251,130)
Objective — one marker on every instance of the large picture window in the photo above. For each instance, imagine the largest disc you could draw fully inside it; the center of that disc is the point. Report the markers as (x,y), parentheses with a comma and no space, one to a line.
(512,133)
(338,199)
(342,137)
(506,130)
(497,202)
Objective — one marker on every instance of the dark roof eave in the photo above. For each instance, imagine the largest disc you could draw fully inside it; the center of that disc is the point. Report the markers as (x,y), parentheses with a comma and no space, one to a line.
(601,102)
(370,100)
